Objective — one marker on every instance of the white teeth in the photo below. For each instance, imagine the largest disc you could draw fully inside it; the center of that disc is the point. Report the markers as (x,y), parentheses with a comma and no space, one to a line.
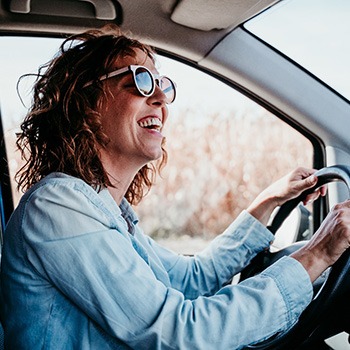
(154,122)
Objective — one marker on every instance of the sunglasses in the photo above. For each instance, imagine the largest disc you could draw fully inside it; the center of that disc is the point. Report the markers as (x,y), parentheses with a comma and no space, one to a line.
(145,81)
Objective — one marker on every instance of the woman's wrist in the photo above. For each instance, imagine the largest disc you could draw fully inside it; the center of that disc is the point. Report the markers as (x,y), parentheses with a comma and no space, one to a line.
(262,208)
(314,264)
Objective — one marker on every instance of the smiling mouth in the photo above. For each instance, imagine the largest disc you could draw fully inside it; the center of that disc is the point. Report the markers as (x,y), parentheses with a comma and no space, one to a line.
(151,123)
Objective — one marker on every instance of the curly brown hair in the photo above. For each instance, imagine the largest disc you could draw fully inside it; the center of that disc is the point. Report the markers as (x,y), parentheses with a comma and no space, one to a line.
(62,131)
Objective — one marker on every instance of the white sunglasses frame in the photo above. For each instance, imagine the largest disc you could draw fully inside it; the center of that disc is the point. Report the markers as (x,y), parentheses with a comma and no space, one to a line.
(132,68)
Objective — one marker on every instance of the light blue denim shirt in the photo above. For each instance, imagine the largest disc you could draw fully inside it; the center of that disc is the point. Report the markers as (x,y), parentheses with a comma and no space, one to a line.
(79,273)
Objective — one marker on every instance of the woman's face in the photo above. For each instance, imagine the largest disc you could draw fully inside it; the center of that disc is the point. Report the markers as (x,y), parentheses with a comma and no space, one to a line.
(125,114)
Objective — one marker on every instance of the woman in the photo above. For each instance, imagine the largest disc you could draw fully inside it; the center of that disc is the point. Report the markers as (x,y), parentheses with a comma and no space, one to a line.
(77,270)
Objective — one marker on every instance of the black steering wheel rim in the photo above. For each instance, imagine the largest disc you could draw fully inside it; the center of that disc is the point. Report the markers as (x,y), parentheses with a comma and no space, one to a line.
(324,175)
(336,286)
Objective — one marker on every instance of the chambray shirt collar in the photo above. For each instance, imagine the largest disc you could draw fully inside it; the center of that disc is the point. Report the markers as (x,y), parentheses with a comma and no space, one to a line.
(128,212)
(125,210)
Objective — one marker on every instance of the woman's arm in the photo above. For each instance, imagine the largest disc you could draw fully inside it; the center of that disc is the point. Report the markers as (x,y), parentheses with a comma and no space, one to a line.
(206,272)
(230,252)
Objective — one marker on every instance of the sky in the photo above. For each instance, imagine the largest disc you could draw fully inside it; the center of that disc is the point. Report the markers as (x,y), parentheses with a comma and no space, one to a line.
(315,33)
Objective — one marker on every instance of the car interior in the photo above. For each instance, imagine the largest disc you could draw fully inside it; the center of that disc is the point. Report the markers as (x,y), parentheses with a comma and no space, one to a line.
(214,37)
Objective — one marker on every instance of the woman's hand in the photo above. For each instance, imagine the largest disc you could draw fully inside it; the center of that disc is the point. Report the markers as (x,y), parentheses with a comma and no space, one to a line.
(328,243)
(281,191)
(293,184)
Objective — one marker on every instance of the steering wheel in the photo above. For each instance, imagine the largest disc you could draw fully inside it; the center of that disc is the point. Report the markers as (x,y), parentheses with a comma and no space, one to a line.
(334,291)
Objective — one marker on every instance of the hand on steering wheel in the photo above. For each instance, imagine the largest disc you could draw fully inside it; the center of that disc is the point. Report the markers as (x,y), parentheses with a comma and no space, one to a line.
(329,243)
(285,189)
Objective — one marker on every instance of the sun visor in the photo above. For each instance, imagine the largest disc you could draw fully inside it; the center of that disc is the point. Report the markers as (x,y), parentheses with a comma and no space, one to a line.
(217,14)
(96,9)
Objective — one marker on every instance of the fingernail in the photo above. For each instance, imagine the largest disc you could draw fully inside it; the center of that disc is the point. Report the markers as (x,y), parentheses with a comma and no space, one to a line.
(312,178)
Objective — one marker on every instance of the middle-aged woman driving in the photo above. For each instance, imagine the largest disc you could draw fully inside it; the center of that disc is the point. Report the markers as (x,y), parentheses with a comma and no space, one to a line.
(77,270)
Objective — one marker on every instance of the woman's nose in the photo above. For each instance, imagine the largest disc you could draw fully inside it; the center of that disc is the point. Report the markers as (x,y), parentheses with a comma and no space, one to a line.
(158,97)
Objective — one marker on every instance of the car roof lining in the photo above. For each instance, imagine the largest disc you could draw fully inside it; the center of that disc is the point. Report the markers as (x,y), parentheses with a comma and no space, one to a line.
(99,9)
(181,31)
(201,15)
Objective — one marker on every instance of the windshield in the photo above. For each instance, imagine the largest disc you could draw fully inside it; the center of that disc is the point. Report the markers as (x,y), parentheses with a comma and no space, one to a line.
(313,33)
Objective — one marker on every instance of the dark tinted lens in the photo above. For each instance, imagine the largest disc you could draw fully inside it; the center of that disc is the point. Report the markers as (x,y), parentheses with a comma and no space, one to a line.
(168,89)
(144,81)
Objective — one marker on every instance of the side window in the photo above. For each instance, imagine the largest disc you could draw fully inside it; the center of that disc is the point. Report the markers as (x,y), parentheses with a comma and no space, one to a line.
(223,149)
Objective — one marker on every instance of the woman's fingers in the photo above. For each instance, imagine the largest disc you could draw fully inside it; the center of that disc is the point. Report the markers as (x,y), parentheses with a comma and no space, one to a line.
(330,241)
(311,197)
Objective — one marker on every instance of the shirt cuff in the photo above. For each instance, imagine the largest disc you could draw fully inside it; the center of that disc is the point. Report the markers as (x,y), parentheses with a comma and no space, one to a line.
(249,231)
(231,251)
(294,284)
